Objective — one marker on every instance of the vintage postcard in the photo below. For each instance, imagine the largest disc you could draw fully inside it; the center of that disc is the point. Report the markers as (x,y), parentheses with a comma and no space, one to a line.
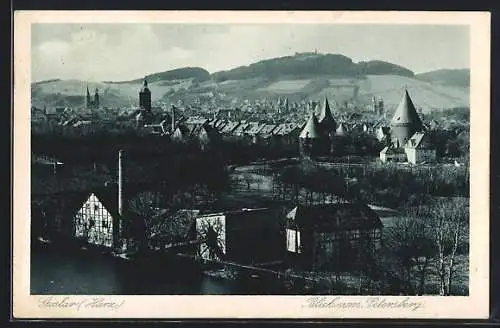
(251,164)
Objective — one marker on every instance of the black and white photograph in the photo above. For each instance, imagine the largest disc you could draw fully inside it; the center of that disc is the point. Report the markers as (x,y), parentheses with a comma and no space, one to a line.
(319,160)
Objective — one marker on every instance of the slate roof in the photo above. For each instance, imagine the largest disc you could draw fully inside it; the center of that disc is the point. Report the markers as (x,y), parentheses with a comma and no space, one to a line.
(326,117)
(418,140)
(241,128)
(392,150)
(406,113)
(311,130)
(268,129)
(334,217)
(230,127)
(254,128)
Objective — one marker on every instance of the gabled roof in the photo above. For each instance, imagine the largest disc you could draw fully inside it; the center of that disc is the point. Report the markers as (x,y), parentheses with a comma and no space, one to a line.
(311,130)
(406,112)
(334,217)
(196,120)
(268,129)
(107,196)
(230,127)
(391,149)
(418,140)
(242,127)
(254,128)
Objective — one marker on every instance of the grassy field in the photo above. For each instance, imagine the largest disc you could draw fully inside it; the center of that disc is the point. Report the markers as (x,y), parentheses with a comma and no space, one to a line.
(287,86)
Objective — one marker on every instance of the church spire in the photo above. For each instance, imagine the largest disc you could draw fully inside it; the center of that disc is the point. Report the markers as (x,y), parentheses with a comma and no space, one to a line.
(326,119)
(96,98)
(88,100)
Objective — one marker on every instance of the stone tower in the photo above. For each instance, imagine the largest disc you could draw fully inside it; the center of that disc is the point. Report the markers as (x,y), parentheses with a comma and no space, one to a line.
(145,97)
(405,121)
(96,99)
(310,138)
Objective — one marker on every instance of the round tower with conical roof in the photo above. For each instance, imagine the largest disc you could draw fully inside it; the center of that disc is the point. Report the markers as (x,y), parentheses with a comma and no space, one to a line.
(311,138)
(405,121)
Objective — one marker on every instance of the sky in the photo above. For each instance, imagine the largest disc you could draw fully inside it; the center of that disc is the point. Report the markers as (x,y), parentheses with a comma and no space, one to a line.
(119,52)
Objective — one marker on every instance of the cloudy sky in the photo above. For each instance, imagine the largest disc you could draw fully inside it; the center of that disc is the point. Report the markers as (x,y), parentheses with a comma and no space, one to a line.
(100,52)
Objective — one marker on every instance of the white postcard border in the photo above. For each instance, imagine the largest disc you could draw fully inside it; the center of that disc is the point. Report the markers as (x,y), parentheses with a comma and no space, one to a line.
(473,306)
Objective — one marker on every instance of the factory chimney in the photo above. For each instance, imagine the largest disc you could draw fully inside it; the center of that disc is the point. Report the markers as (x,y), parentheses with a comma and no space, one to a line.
(120,183)
(173,120)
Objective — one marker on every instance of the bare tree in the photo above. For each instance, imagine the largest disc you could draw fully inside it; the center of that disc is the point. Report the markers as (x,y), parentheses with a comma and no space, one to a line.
(447,219)
(145,205)
(450,219)
(410,241)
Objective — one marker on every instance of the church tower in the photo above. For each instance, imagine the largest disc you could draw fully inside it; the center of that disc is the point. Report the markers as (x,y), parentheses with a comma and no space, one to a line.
(88,100)
(96,99)
(145,97)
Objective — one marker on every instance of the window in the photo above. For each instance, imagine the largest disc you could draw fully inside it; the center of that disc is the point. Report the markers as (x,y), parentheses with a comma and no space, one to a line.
(290,240)
(96,207)
(104,223)
(92,222)
(293,241)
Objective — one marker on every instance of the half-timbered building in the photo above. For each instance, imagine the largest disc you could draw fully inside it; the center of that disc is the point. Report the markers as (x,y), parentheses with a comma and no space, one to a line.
(332,236)
(97,221)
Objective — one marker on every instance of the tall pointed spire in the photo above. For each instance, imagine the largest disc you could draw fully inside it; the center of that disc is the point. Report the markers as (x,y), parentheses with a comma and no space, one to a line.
(405,121)
(326,119)
(96,98)
(88,101)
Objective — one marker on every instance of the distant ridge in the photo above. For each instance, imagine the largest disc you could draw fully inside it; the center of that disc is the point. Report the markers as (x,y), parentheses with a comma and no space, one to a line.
(311,64)
(45,81)
(298,77)
(450,77)
(197,73)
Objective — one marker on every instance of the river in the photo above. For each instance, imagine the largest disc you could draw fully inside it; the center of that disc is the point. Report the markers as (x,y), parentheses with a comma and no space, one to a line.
(83,273)
(55,271)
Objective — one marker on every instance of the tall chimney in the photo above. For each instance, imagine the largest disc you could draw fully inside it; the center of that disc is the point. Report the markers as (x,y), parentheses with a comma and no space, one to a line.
(120,183)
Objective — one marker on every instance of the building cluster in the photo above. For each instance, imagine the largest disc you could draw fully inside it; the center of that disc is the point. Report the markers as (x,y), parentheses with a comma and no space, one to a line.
(315,237)
(316,138)
(408,139)
(209,130)
(405,137)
